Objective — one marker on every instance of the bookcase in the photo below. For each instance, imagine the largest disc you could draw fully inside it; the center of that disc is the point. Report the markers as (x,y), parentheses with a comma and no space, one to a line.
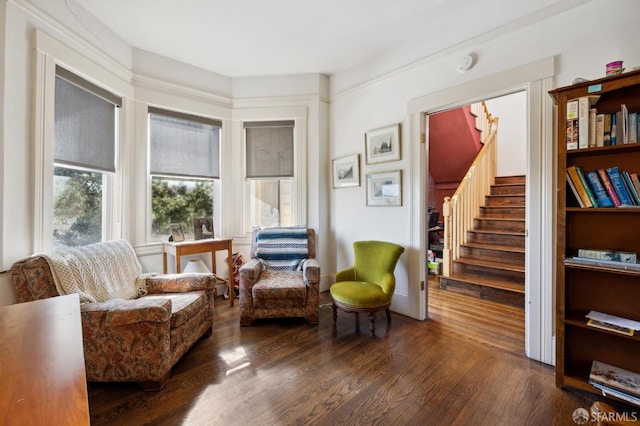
(583,288)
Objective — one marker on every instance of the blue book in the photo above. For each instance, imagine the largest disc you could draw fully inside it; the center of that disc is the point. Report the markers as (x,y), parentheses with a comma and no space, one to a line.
(632,189)
(602,199)
(614,136)
(619,186)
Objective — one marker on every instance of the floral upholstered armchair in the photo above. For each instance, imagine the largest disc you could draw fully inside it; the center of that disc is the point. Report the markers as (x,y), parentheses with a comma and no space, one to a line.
(282,278)
(135,326)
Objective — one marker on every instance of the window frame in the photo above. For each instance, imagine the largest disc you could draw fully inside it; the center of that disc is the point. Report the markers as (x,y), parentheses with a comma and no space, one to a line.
(148,109)
(299,181)
(51,53)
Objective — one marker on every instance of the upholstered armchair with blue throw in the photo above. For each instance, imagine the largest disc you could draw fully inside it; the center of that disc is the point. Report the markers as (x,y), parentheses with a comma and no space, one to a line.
(282,278)
(369,284)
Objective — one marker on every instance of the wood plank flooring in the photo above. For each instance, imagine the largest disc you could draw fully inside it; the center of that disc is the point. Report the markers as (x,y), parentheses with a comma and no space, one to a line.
(286,372)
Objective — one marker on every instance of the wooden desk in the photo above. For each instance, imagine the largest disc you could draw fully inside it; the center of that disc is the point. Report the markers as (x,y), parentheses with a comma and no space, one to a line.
(212,245)
(42,368)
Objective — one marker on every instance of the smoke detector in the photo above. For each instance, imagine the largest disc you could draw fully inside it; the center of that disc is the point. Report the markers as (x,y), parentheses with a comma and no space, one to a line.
(465,62)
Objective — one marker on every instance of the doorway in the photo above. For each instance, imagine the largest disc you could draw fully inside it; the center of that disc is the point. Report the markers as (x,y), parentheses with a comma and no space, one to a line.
(483,295)
(536,79)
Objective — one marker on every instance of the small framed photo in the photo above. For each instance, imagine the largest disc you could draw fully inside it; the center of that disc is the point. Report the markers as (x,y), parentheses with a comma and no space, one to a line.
(346,171)
(383,144)
(202,228)
(384,188)
(176,232)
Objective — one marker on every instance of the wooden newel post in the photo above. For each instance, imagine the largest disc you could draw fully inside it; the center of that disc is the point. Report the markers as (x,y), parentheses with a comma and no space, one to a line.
(447,261)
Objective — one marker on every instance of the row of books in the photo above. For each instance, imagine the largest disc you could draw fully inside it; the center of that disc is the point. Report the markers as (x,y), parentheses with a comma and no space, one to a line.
(615,381)
(586,128)
(610,187)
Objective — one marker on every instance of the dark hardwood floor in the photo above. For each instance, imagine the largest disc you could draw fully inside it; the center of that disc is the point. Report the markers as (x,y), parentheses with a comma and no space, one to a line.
(286,372)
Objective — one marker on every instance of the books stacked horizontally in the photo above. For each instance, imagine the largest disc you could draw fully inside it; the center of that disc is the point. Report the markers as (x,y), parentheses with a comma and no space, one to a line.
(608,259)
(616,382)
(606,187)
(612,323)
(587,128)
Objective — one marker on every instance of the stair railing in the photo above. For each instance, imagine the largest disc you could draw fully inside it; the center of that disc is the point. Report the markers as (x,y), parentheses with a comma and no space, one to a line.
(483,119)
(463,207)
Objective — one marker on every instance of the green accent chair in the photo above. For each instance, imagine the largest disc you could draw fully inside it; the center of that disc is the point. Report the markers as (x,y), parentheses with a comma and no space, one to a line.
(369,284)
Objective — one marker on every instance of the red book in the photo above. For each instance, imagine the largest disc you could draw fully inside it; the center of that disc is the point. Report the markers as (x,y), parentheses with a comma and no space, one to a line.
(609,187)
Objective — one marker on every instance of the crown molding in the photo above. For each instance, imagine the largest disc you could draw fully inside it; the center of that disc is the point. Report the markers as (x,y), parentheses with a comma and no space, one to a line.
(151,83)
(80,44)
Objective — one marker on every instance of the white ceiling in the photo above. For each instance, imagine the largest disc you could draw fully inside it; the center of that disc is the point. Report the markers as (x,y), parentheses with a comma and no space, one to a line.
(239,38)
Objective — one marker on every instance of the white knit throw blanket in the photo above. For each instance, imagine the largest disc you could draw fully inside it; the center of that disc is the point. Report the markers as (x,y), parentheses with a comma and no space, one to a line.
(98,272)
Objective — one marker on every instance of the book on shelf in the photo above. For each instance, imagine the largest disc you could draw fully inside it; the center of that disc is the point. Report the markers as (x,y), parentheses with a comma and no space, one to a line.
(623,123)
(614,129)
(611,392)
(586,186)
(584,106)
(599,129)
(600,194)
(574,190)
(610,327)
(635,196)
(583,191)
(633,127)
(604,254)
(572,125)
(605,264)
(615,378)
(607,130)
(635,181)
(619,186)
(608,186)
(592,127)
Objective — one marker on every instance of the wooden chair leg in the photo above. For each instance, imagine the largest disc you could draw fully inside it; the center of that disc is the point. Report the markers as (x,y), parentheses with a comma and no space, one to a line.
(388,311)
(335,314)
(372,323)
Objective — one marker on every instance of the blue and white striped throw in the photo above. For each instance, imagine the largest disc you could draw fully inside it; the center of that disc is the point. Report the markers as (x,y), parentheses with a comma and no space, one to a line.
(282,249)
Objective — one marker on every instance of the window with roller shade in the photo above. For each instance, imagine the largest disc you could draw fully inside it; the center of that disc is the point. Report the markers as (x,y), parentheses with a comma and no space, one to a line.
(85,153)
(270,173)
(184,154)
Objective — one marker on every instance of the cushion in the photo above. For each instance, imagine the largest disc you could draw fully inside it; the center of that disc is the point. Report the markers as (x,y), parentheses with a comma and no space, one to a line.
(359,293)
(183,305)
(279,289)
(282,249)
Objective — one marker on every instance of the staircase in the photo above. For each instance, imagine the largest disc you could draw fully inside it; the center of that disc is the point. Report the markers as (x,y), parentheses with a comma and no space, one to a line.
(491,264)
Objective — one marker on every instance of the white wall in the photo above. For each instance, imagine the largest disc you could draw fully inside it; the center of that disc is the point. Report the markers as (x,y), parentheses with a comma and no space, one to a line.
(511,111)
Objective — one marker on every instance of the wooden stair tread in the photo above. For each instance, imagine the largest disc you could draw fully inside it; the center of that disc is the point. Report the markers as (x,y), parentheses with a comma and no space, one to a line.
(490,264)
(501,219)
(496,247)
(484,231)
(513,206)
(489,282)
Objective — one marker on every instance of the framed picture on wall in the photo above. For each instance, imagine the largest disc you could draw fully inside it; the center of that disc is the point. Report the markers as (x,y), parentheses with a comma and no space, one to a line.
(383,144)
(346,171)
(384,188)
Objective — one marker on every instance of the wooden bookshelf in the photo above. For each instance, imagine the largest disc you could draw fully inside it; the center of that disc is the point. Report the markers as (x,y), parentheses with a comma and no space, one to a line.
(582,288)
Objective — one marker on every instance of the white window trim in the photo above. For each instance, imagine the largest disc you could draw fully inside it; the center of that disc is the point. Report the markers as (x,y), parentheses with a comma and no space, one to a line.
(298,115)
(49,53)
